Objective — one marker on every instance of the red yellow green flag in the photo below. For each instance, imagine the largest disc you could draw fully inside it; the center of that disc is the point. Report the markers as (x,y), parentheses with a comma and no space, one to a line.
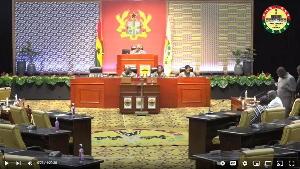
(99,46)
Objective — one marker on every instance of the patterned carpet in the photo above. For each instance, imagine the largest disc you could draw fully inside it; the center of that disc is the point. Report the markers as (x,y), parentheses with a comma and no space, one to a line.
(139,156)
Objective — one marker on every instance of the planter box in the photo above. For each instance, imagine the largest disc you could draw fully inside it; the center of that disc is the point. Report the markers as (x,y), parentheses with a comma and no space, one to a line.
(61,91)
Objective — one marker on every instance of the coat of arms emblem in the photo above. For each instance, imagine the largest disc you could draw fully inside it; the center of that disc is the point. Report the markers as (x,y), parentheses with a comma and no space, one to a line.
(135,26)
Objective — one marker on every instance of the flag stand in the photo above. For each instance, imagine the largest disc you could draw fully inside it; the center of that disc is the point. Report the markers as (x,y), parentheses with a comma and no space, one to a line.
(141,112)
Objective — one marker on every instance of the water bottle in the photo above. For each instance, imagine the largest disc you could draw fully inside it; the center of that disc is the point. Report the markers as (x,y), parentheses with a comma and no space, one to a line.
(73,109)
(151,79)
(243,104)
(81,154)
(246,94)
(56,124)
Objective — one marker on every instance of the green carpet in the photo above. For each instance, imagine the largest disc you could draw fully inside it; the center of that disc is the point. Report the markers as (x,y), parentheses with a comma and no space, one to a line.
(137,154)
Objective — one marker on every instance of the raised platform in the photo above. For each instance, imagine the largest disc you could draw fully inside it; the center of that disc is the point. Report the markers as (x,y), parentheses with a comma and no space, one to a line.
(61,91)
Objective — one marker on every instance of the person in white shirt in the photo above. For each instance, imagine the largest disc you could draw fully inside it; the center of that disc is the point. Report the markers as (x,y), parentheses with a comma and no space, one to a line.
(275,101)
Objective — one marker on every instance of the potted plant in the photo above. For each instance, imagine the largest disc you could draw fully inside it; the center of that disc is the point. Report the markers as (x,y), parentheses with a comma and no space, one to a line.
(247,57)
(27,51)
(238,68)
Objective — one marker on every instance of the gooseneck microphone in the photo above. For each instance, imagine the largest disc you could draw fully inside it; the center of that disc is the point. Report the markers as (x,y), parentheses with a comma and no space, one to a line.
(209,111)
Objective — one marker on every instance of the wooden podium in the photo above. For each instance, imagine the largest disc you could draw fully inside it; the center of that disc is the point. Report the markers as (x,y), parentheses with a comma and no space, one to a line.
(130,98)
(136,60)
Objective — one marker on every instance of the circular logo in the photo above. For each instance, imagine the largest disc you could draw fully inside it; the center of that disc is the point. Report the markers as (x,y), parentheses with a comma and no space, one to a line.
(138,137)
(276,19)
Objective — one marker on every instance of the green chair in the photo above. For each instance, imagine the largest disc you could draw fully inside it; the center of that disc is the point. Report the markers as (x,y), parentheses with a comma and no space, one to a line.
(244,121)
(260,155)
(269,115)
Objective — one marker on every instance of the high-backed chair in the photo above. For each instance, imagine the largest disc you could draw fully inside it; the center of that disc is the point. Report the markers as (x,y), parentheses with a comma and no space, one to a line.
(41,119)
(154,69)
(5,93)
(133,47)
(290,134)
(296,121)
(125,51)
(183,69)
(10,136)
(261,155)
(19,115)
(246,117)
(95,72)
(244,121)
(11,159)
(133,69)
(269,115)
(295,109)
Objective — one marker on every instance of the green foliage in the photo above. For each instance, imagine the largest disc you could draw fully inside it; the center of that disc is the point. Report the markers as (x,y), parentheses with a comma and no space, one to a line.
(27,51)
(220,81)
(243,55)
(252,80)
(38,80)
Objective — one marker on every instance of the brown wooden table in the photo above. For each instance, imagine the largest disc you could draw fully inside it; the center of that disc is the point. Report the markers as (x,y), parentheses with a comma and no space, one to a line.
(202,129)
(81,129)
(174,92)
(133,91)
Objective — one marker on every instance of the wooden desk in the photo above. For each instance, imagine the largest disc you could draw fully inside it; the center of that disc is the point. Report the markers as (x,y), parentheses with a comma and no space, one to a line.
(174,92)
(134,91)
(237,138)
(46,138)
(6,115)
(135,60)
(80,126)
(236,103)
(202,129)
(208,161)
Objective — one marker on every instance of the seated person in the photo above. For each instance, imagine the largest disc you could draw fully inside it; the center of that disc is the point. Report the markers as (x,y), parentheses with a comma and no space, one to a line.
(138,50)
(296,107)
(187,72)
(263,104)
(128,72)
(275,101)
(159,72)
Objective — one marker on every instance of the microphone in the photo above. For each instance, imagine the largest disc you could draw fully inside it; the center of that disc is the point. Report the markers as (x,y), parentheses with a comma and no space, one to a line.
(259,94)
(243,92)
(2,151)
(209,111)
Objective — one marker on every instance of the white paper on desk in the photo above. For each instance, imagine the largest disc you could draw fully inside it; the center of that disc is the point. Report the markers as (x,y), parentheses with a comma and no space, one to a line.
(211,115)
(58,115)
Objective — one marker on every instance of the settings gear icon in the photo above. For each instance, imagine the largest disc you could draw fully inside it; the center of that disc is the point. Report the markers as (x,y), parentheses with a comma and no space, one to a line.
(244,163)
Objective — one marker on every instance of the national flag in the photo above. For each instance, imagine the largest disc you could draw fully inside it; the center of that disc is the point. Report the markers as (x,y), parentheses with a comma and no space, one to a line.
(168,50)
(99,46)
